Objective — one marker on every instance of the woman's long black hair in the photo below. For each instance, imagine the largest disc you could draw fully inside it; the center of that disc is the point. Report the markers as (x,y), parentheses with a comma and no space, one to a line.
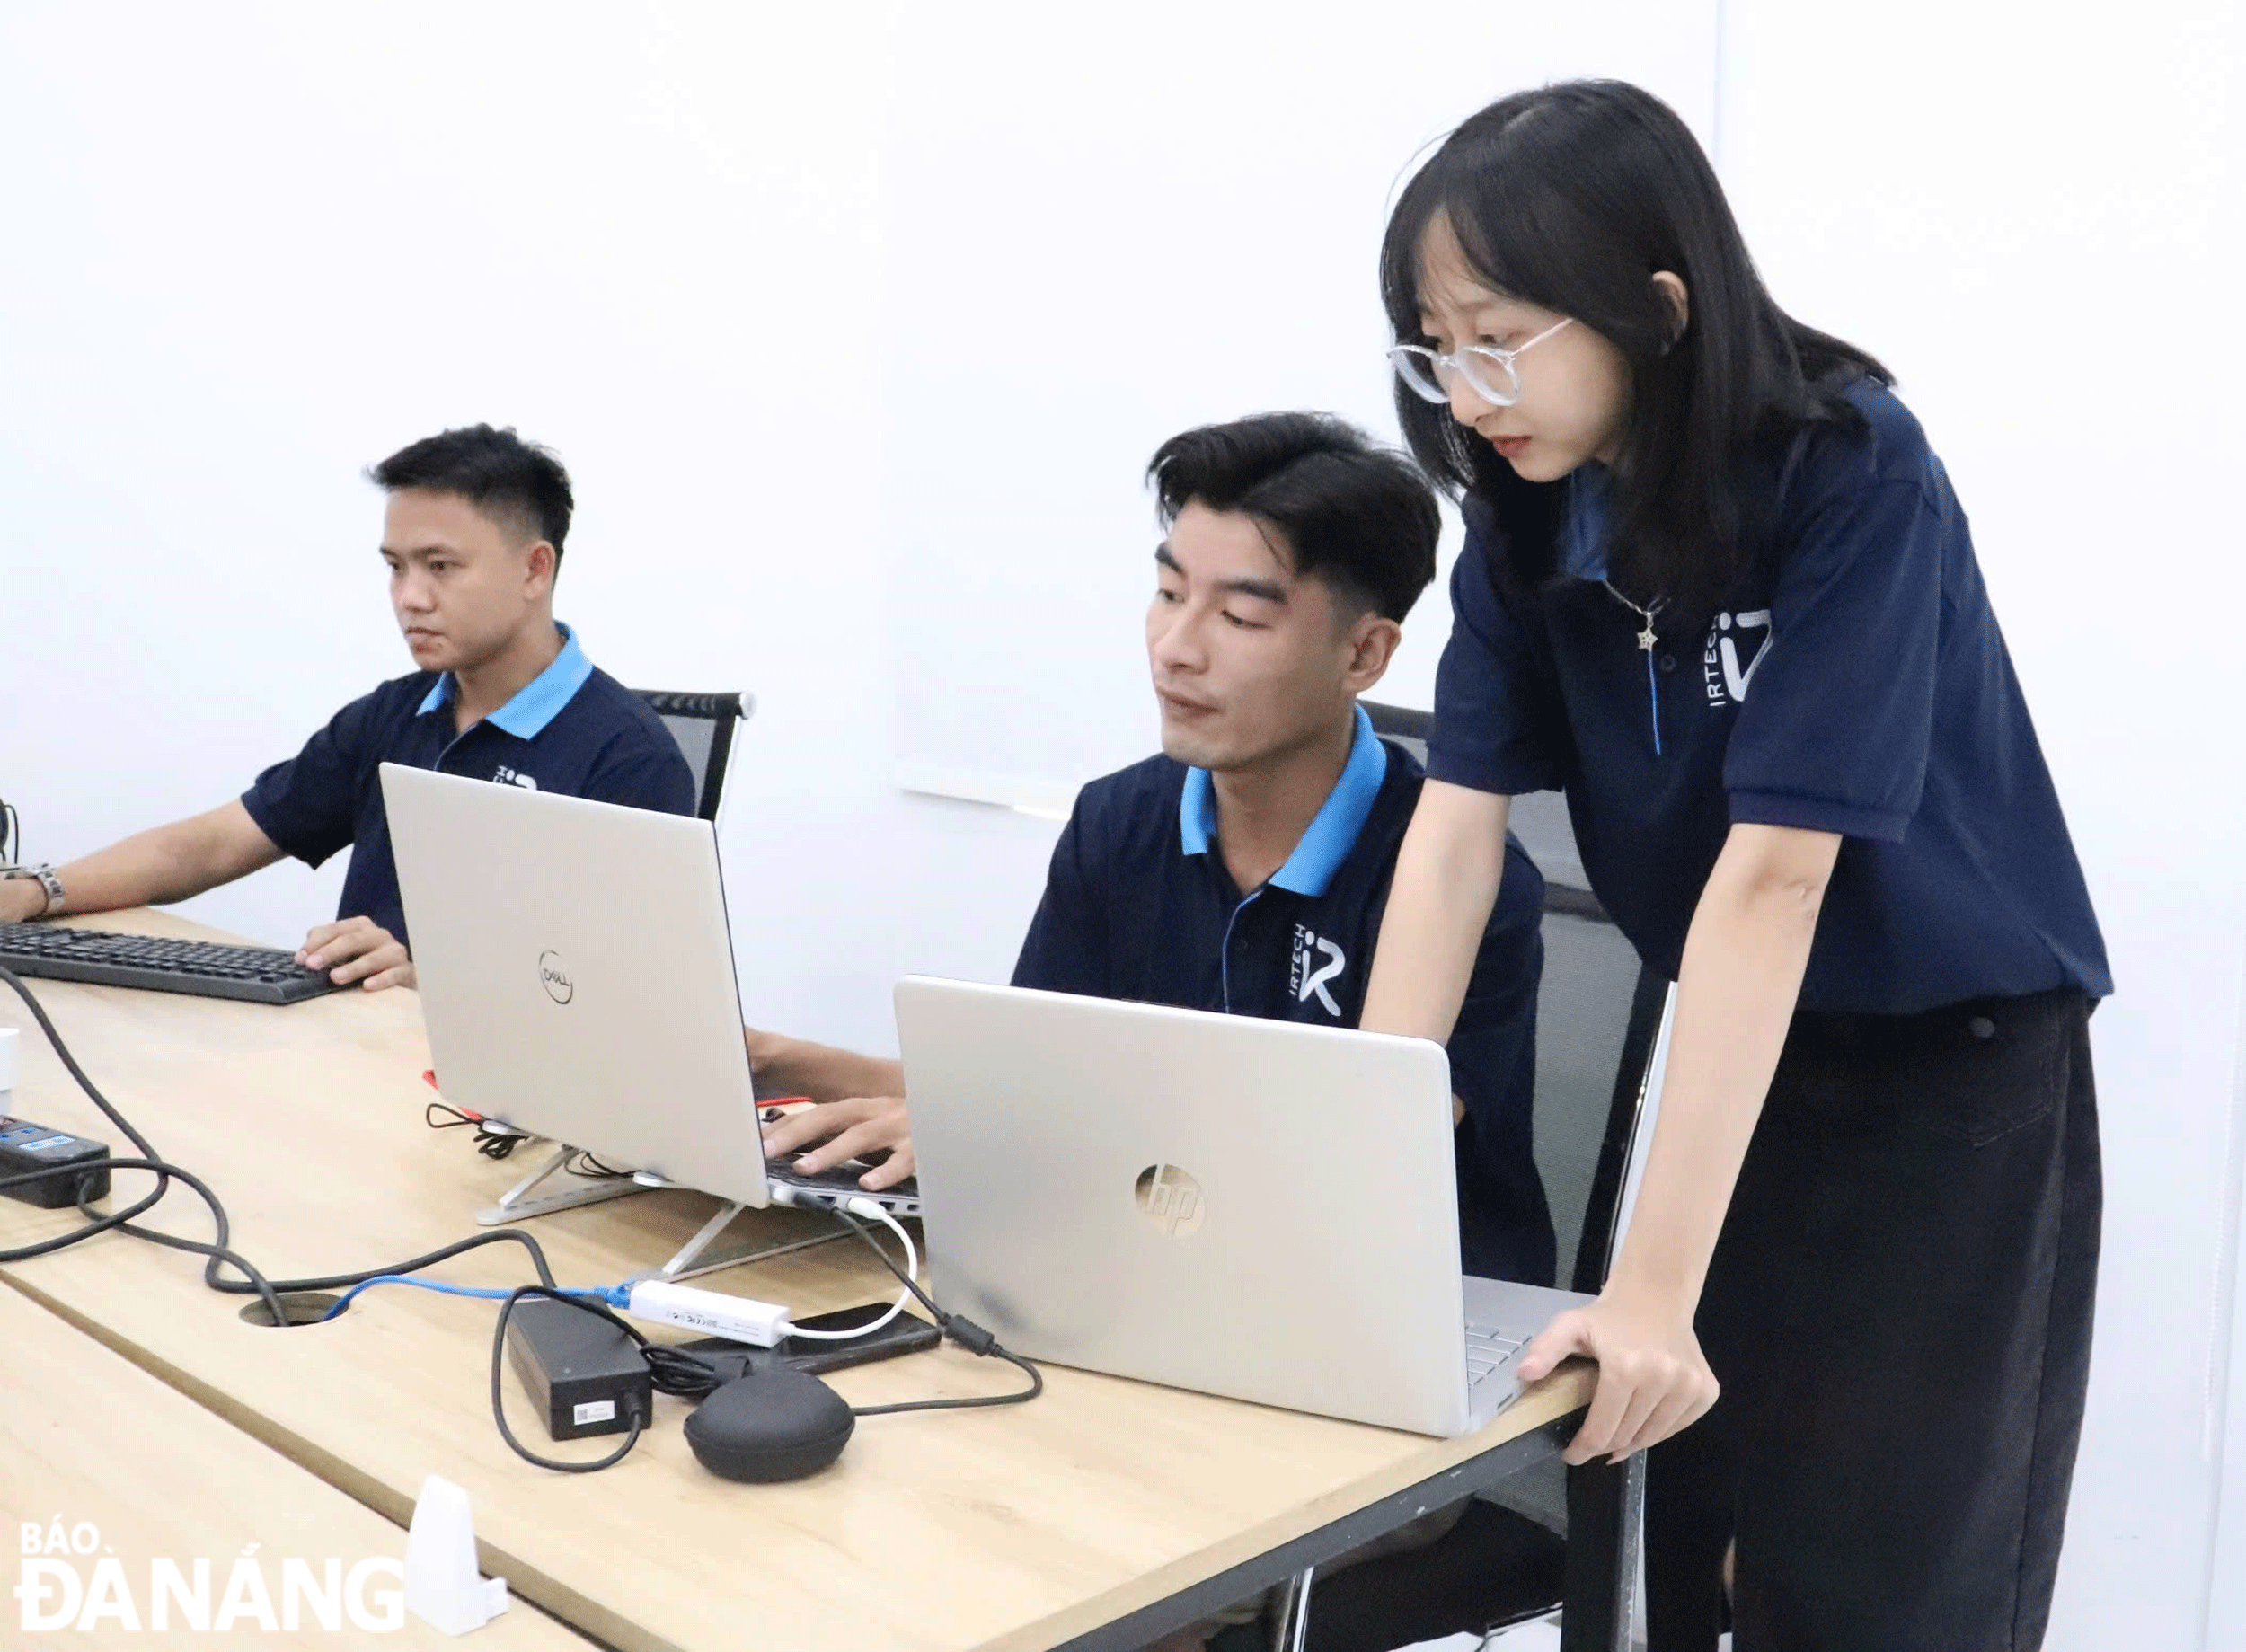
(1572,197)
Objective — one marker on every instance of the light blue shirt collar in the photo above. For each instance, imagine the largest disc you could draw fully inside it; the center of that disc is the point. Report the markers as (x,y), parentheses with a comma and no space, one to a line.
(1332,830)
(539,701)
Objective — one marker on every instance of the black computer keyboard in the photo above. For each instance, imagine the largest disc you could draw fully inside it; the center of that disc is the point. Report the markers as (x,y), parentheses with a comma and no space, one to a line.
(260,975)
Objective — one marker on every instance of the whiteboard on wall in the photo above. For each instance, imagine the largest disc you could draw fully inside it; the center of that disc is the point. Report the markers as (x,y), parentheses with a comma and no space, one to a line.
(1102,226)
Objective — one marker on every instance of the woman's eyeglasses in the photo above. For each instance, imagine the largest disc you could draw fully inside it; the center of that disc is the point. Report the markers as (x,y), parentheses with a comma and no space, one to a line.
(1489,372)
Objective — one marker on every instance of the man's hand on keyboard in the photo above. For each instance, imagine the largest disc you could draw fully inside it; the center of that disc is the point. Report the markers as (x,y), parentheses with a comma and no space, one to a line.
(358,950)
(849,1130)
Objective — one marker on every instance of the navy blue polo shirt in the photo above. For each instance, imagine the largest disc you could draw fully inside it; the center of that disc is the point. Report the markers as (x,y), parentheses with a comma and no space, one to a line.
(571,729)
(1139,905)
(1856,684)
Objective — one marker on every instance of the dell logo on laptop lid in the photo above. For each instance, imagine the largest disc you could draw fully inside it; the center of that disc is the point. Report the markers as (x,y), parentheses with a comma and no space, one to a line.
(554,980)
(1171,1200)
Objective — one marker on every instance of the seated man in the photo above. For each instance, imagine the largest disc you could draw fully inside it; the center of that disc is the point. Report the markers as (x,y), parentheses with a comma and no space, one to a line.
(473,536)
(1246,868)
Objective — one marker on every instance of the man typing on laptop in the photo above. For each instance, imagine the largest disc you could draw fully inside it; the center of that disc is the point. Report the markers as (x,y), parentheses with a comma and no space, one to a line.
(472,535)
(1246,868)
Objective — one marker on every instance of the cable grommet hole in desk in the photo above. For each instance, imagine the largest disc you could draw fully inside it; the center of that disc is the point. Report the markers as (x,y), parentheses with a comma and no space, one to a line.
(300,1307)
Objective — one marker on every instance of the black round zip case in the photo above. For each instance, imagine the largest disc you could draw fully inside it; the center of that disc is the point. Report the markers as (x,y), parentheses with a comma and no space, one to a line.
(774,1424)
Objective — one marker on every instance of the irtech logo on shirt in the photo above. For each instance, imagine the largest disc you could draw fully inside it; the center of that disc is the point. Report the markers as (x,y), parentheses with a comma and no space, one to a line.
(510,777)
(1308,976)
(1727,662)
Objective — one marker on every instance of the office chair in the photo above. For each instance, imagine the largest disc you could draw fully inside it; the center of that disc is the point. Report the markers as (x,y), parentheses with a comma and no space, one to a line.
(1598,1017)
(702,725)
(1409,729)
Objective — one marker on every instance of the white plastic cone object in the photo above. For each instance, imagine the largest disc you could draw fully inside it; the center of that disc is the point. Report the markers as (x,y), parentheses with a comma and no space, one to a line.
(442,1585)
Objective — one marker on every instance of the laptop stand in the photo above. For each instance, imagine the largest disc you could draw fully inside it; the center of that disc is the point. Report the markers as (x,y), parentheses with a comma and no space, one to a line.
(516,1205)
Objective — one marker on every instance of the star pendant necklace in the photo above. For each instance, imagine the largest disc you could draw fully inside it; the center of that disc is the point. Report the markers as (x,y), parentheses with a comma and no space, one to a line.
(1645,640)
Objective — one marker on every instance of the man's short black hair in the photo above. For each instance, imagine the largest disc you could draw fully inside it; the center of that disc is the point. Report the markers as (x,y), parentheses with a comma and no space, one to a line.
(1358,515)
(515,482)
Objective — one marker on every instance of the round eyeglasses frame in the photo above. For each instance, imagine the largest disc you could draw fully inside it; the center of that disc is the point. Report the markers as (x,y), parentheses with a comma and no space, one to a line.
(1489,372)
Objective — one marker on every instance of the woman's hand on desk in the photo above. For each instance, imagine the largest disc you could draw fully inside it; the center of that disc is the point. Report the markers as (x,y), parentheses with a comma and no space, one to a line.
(358,950)
(1653,1380)
(851,1129)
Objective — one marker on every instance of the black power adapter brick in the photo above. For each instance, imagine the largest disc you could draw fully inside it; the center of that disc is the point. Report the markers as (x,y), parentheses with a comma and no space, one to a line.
(25,1147)
(587,1375)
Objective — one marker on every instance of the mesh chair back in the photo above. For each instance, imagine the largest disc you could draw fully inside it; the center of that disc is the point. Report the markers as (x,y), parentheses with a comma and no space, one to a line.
(1409,729)
(1583,1016)
(702,725)
(1598,1017)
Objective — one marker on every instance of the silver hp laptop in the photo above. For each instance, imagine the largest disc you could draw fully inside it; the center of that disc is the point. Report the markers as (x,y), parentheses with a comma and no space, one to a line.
(576,974)
(1242,1207)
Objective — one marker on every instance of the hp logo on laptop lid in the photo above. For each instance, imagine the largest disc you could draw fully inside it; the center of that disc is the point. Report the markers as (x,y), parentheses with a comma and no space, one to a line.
(1171,1200)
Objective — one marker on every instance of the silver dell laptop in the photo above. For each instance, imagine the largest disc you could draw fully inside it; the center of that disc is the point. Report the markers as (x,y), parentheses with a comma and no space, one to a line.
(576,973)
(1242,1207)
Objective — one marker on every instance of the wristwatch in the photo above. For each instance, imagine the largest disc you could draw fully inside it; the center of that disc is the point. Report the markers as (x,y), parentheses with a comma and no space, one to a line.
(48,881)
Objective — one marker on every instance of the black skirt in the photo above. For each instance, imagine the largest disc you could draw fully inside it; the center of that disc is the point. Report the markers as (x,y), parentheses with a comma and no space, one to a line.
(1898,1310)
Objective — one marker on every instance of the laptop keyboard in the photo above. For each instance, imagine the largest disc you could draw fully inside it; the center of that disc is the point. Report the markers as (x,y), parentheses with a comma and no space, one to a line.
(788,1169)
(839,1179)
(1487,1351)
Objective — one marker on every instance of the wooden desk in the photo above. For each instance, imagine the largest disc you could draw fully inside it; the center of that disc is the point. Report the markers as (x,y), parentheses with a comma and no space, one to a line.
(1106,1513)
(144,1473)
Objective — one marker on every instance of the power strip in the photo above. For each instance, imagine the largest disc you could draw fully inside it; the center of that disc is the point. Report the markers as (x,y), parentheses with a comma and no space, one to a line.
(26,1147)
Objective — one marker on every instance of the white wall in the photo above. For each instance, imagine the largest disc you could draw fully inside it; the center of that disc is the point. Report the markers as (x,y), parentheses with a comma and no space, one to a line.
(2033,215)
(747,269)
(2226,1438)
(1107,226)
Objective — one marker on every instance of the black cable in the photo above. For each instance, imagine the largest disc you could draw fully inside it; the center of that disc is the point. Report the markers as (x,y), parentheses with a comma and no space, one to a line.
(343,1282)
(97,1223)
(961,1329)
(218,1250)
(492,1144)
(499,1404)
(252,1282)
(149,1160)
(71,1066)
(1020,1397)
(678,1373)
(582,1163)
(941,1319)
(101,1224)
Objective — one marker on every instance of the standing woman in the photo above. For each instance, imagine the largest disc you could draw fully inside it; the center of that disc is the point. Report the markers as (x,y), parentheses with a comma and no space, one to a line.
(1716,589)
